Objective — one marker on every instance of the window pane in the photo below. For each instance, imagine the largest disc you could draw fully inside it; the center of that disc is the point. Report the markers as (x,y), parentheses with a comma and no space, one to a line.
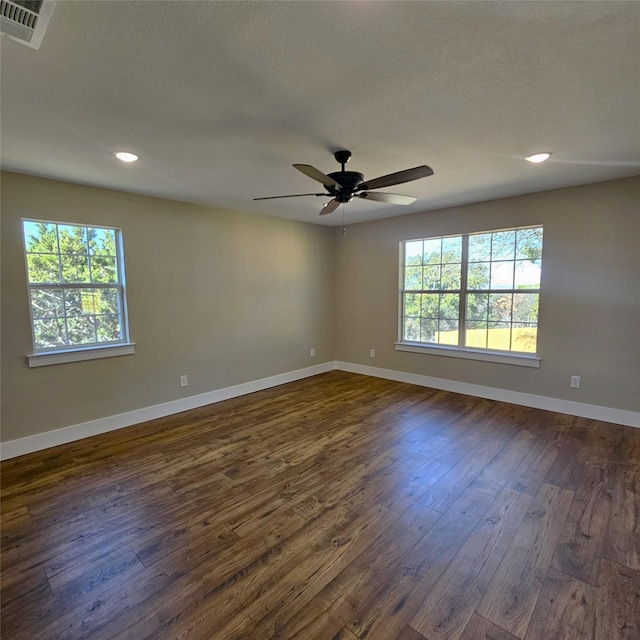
(432,251)
(450,276)
(477,306)
(501,275)
(476,335)
(431,277)
(40,237)
(104,269)
(478,275)
(72,239)
(480,247)
(429,328)
(448,332)
(449,306)
(90,299)
(75,268)
(46,303)
(81,302)
(81,330)
(413,278)
(73,302)
(525,308)
(524,338)
(529,243)
(452,249)
(43,267)
(500,307)
(107,300)
(527,274)
(108,328)
(412,305)
(49,332)
(412,329)
(102,242)
(430,305)
(503,245)
(499,336)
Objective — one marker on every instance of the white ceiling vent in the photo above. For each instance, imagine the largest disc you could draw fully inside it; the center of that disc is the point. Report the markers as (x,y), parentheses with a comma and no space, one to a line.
(25,21)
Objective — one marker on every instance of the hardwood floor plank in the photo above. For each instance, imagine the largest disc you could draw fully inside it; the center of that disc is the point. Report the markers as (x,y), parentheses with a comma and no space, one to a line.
(446,491)
(261,598)
(481,629)
(113,569)
(385,617)
(579,548)
(566,609)
(362,579)
(409,634)
(511,596)
(618,603)
(623,531)
(299,512)
(450,604)
(531,472)
(493,478)
(438,462)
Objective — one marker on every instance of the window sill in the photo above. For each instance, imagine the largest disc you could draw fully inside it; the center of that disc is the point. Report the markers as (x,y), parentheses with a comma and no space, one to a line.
(76,355)
(518,359)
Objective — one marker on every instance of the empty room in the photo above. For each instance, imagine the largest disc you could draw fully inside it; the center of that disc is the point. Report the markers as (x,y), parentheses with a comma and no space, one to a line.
(320,320)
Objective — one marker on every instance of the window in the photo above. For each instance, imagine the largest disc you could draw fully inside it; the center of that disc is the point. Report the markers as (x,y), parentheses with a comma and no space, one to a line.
(477,291)
(75,277)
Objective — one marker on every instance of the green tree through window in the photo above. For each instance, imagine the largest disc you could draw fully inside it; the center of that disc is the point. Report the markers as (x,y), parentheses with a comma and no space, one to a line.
(76,285)
(477,291)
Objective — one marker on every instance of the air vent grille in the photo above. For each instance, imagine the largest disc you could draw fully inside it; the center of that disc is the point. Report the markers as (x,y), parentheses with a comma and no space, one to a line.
(25,20)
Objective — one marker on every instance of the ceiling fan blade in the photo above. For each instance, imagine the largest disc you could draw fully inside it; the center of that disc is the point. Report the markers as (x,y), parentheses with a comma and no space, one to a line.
(295,195)
(389,198)
(316,174)
(397,178)
(330,207)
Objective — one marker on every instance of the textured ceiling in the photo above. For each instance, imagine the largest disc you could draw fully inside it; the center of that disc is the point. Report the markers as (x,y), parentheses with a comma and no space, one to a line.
(220,98)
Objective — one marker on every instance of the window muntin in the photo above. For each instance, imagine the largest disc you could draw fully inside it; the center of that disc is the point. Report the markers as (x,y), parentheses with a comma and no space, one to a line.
(75,275)
(486,284)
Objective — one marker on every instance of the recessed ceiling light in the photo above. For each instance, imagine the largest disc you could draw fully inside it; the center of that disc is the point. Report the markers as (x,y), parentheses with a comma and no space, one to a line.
(125,156)
(538,157)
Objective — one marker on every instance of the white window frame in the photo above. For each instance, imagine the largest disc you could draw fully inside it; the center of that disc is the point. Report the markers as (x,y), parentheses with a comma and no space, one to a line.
(89,351)
(460,351)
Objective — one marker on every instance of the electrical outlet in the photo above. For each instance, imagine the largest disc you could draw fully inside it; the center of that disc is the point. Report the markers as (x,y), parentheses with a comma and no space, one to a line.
(312,353)
(575,382)
(184,381)
(372,353)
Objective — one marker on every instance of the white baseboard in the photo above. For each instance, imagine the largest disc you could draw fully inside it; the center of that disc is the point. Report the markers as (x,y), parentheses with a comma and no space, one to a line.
(605,414)
(22,446)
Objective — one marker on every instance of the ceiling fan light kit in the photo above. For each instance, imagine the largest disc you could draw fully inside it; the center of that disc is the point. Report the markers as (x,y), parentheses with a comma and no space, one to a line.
(342,186)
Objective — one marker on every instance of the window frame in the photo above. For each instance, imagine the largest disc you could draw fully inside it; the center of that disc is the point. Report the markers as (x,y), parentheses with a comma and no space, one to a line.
(521,358)
(41,356)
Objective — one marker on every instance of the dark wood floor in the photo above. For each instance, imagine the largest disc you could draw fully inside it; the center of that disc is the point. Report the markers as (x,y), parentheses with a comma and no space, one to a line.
(337,507)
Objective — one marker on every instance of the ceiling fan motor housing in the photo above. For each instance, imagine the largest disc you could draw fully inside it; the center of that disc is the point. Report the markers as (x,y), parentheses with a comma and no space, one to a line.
(349,181)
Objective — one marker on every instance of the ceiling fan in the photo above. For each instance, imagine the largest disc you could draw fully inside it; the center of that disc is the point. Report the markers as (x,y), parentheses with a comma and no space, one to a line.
(342,186)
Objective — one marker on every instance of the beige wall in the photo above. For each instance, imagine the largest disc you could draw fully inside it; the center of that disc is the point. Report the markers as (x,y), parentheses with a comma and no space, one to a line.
(227,298)
(221,296)
(589,306)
